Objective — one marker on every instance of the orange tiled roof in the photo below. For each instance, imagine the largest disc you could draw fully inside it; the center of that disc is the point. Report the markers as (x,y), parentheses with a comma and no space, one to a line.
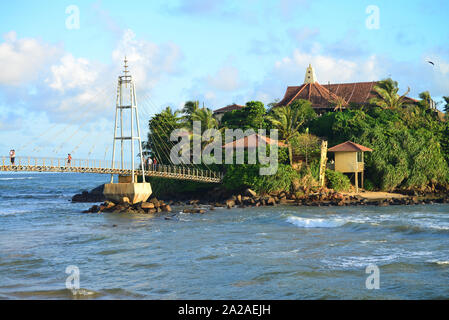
(349,146)
(252,142)
(355,92)
(229,108)
(317,94)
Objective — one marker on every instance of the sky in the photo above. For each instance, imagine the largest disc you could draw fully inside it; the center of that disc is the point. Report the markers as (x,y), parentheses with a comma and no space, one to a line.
(61,59)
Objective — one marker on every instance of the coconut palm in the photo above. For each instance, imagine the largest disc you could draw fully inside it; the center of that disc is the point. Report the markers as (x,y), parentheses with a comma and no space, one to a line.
(339,103)
(288,121)
(206,117)
(446,107)
(189,108)
(387,95)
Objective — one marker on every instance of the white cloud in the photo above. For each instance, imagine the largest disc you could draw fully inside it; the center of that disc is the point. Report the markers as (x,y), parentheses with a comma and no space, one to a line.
(148,61)
(327,68)
(45,78)
(72,73)
(23,59)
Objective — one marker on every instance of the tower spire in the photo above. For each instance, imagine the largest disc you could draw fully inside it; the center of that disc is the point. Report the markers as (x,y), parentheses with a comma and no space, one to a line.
(310,75)
(126,67)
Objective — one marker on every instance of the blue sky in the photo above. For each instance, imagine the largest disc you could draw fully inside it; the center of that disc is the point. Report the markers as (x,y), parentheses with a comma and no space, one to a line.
(58,81)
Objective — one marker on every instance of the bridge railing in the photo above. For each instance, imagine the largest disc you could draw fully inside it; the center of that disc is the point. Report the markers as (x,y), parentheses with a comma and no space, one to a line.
(63,164)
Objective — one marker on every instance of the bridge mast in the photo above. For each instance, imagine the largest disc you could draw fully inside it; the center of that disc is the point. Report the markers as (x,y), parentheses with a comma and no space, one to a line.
(127,101)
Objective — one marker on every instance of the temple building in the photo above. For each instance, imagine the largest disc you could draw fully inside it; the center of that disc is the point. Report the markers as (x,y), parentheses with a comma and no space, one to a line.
(325,97)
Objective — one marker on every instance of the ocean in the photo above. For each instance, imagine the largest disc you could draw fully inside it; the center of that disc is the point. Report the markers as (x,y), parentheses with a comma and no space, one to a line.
(283,252)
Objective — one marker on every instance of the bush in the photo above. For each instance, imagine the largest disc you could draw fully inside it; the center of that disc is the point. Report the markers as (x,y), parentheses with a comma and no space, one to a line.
(410,150)
(368,185)
(243,176)
(337,181)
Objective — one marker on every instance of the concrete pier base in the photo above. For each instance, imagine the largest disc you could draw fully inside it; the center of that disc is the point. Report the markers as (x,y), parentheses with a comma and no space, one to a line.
(135,192)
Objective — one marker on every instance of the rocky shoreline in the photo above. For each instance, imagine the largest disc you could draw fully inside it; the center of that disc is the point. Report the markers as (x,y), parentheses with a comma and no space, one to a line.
(249,198)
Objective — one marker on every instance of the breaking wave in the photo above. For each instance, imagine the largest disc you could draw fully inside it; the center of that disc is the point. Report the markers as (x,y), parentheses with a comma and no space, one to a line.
(316,223)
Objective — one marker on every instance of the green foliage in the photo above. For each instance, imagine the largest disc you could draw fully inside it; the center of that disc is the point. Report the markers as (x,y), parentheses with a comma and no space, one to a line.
(250,117)
(307,146)
(368,185)
(337,181)
(160,126)
(288,120)
(239,177)
(387,95)
(206,117)
(409,149)
(446,106)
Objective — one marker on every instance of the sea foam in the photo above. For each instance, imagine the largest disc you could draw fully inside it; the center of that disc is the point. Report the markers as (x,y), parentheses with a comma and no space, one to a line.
(315,223)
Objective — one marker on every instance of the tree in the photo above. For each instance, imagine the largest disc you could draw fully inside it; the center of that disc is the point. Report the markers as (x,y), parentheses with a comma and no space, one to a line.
(306,146)
(339,103)
(426,100)
(387,95)
(206,116)
(252,116)
(160,127)
(446,107)
(289,120)
(189,108)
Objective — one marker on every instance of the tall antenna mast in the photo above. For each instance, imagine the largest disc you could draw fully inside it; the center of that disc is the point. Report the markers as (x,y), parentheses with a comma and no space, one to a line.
(126,100)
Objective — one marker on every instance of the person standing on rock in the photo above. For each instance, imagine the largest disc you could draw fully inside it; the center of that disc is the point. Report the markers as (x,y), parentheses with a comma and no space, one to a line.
(12,156)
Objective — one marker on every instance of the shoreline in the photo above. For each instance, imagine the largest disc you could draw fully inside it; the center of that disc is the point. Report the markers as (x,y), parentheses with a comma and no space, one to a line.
(248,198)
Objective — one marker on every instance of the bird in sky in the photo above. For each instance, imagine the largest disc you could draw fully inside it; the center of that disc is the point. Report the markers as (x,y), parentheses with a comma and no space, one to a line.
(431,62)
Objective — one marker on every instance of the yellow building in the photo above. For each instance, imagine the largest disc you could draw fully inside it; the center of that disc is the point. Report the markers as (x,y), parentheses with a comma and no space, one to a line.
(349,158)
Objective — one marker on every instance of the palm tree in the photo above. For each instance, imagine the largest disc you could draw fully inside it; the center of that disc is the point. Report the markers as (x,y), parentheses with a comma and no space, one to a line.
(287,120)
(189,108)
(425,99)
(446,107)
(206,116)
(160,127)
(339,103)
(387,95)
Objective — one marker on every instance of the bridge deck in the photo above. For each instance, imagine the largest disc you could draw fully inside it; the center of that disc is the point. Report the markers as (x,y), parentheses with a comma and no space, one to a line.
(104,167)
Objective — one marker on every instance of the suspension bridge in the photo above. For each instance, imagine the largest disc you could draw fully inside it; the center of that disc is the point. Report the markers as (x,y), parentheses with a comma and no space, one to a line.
(126,100)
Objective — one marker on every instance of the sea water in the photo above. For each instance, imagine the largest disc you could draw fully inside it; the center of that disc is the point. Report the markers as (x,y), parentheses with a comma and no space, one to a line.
(283,252)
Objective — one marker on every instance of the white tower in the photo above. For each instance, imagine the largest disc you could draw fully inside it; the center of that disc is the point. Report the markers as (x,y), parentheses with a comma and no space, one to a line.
(310,75)
(126,101)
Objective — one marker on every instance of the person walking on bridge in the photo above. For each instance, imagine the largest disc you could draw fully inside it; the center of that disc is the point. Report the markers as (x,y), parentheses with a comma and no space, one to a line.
(154,163)
(69,160)
(12,156)
(149,163)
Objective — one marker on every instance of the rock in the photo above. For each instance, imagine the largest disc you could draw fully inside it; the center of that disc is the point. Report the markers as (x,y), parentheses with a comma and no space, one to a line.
(166,208)
(147,205)
(239,199)
(154,201)
(271,201)
(230,203)
(250,193)
(125,200)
